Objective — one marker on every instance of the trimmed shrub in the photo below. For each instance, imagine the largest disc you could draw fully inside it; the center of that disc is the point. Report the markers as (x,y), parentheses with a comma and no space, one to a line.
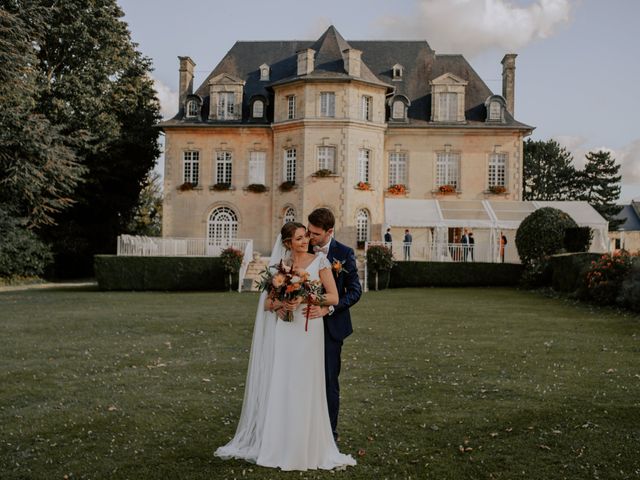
(568,270)
(605,276)
(542,234)
(379,262)
(22,253)
(629,296)
(454,274)
(160,273)
(232,261)
(578,239)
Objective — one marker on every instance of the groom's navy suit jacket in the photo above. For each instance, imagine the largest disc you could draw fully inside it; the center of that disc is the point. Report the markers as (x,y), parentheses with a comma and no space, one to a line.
(349,290)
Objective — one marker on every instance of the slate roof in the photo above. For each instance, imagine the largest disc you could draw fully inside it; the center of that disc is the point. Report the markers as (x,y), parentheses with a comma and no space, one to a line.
(421,64)
(631,215)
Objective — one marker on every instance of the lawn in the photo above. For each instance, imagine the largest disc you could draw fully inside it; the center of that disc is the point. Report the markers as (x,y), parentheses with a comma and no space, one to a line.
(436,384)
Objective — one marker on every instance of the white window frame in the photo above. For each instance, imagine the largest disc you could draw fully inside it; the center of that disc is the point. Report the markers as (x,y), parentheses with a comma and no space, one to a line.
(289,165)
(226,105)
(328,104)
(495,111)
(327,158)
(448,169)
(191,166)
(291,107)
(222,227)
(448,106)
(397,168)
(398,109)
(224,166)
(498,169)
(364,159)
(192,109)
(367,108)
(257,164)
(289,215)
(257,104)
(363,223)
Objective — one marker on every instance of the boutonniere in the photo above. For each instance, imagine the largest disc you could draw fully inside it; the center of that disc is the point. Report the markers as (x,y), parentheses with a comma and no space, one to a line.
(338,267)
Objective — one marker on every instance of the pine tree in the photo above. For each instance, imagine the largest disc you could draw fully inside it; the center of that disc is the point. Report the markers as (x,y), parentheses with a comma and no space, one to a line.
(549,173)
(601,185)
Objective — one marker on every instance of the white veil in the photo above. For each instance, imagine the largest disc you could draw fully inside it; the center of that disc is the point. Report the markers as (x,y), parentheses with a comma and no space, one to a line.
(246,442)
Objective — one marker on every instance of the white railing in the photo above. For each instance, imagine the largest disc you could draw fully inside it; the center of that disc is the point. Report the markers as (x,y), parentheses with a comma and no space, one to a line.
(140,246)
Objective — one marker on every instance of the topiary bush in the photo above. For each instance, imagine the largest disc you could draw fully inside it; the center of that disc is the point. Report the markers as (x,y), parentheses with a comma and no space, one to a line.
(629,296)
(540,235)
(379,260)
(578,239)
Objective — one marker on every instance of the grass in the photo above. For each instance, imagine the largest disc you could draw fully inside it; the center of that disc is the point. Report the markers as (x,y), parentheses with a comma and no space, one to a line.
(436,384)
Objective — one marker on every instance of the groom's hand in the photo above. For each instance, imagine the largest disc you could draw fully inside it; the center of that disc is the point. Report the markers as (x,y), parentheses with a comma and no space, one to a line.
(316,311)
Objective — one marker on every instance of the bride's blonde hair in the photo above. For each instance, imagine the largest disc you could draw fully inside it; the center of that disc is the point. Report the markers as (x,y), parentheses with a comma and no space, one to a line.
(287,231)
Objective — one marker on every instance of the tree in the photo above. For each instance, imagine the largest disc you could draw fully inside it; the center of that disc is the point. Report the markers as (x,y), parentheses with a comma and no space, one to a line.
(95,88)
(147,217)
(601,185)
(38,168)
(549,173)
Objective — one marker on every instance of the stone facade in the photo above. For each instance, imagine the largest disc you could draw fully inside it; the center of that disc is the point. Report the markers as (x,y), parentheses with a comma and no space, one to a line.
(317,113)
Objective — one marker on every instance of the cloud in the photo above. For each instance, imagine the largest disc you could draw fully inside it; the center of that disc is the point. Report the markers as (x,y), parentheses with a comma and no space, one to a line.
(472,26)
(168,99)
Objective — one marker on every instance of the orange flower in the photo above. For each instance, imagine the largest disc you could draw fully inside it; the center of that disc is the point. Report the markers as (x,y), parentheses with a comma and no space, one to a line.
(278,280)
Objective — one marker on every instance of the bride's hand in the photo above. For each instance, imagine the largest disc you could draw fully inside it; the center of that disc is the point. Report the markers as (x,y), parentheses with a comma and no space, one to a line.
(291,305)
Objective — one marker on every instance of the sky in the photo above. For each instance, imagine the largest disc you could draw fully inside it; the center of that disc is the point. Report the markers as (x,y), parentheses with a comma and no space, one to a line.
(576,71)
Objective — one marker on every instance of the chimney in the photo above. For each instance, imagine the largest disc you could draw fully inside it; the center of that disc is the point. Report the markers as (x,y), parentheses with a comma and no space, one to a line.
(509,79)
(352,61)
(305,61)
(186,80)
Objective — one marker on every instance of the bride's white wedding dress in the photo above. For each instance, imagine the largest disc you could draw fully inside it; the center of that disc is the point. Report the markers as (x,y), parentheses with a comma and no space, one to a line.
(285,419)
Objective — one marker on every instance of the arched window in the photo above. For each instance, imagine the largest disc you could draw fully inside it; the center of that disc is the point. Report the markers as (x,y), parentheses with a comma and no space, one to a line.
(289,215)
(258,109)
(222,227)
(192,108)
(362,227)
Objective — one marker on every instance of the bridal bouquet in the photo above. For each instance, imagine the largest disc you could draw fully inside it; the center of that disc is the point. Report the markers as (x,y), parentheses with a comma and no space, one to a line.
(283,283)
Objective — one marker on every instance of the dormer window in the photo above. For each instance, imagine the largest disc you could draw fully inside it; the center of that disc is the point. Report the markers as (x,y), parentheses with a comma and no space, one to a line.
(398,107)
(397,71)
(264,72)
(257,110)
(495,106)
(226,97)
(192,106)
(448,99)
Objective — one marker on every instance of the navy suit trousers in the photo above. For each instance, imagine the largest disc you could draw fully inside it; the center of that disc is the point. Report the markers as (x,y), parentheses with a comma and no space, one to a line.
(332,350)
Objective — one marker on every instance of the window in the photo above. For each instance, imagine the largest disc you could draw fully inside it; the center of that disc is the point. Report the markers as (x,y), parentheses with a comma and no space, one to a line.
(264,72)
(191,167)
(448,107)
(367,103)
(289,215)
(362,227)
(363,165)
(257,162)
(497,170)
(397,71)
(192,108)
(222,227)
(495,111)
(398,110)
(223,167)
(291,107)
(397,168)
(327,158)
(447,168)
(290,165)
(226,105)
(258,109)
(327,104)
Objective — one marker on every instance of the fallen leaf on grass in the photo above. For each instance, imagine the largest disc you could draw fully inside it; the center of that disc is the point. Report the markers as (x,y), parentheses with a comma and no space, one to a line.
(545,447)
(362,452)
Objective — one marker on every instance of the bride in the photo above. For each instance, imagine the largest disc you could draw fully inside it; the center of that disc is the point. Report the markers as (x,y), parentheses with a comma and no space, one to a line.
(285,419)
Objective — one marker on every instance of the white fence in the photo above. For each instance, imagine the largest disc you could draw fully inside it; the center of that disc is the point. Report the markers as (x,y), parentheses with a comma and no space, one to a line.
(139,246)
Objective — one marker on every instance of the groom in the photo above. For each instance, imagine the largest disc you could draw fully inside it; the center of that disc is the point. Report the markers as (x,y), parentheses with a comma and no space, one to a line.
(337,320)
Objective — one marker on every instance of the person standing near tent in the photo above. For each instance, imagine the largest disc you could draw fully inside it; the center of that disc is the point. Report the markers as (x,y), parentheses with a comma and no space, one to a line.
(503,244)
(407,245)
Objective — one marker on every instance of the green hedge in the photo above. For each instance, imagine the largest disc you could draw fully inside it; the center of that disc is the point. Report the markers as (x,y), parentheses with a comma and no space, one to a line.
(161,273)
(453,274)
(568,270)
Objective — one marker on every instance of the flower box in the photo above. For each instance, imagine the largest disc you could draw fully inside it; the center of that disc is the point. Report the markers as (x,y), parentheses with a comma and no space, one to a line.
(497,189)
(186,186)
(323,172)
(287,186)
(256,188)
(219,187)
(447,189)
(365,186)
(398,189)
